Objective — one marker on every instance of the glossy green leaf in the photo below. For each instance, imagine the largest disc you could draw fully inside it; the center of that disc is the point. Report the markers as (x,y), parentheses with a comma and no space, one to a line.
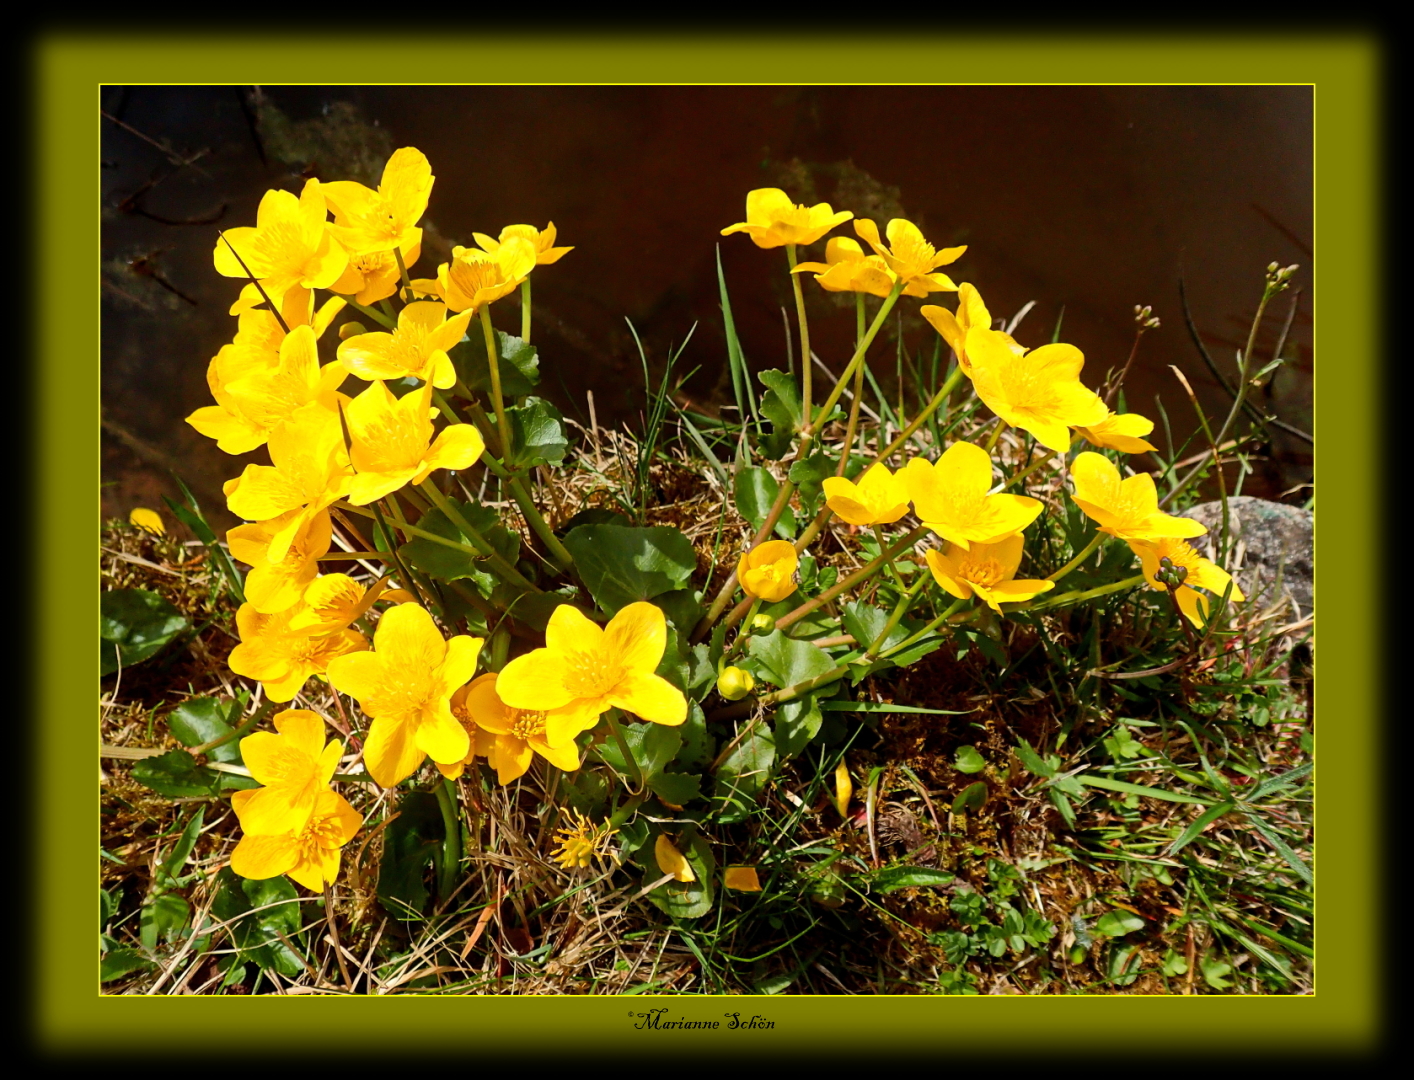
(119,962)
(620,565)
(796,723)
(449,563)
(972,797)
(742,774)
(755,491)
(410,844)
(537,434)
(518,364)
(202,720)
(135,624)
(780,405)
(966,759)
(910,877)
(177,775)
(1119,922)
(686,899)
(785,661)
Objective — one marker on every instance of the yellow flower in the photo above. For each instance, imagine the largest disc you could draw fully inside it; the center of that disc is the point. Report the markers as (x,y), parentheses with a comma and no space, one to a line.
(373,277)
(294,765)
(275,586)
(1120,431)
(474,278)
(417,348)
(987,570)
(911,258)
(1127,508)
(366,221)
(289,246)
(879,498)
(281,659)
(581,841)
(149,521)
(844,788)
(735,683)
(310,472)
(1201,573)
(333,602)
(596,669)
(951,498)
(543,242)
(970,312)
(671,860)
(309,854)
(772,220)
(405,684)
(267,397)
(1039,391)
(767,571)
(255,359)
(391,437)
(847,269)
(508,738)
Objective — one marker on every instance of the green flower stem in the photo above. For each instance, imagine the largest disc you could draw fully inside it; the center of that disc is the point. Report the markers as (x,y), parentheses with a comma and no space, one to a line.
(996,434)
(503,426)
(723,597)
(1042,460)
(403,272)
(622,741)
(414,585)
(914,639)
(904,602)
(805,364)
(893,572)
(743,635)
(413,530)
(858,358)
(813,529)
(1244,366)
(735,615)
(451,843)
(484,548)
(862,574)
(1066,599)
(374,314)
(559,554)
(525,311)
(919,420)
(274,308)
(1085,552)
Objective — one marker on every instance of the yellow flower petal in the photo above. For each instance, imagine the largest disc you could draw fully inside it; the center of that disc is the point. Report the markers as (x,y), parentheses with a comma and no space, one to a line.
(672,861)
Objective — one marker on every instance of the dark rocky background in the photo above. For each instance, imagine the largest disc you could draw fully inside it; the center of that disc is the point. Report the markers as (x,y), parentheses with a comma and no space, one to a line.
(1093,199)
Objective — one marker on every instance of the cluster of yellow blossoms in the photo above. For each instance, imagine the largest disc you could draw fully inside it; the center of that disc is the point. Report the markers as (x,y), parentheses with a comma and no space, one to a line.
(325,446)
(419,688)
(1038,391)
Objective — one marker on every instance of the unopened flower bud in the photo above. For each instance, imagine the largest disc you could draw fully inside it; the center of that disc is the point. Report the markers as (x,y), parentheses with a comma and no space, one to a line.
(762,623)
(352,328)
(734,683)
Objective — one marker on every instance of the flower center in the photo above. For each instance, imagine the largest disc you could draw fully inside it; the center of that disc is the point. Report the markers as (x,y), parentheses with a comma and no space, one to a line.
(527,722)
(590,675)
(984,572)
(319,835)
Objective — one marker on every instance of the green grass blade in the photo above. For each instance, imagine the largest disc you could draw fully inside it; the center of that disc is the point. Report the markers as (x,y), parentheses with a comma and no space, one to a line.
(1201,822)
(1136,789)
(1288,856)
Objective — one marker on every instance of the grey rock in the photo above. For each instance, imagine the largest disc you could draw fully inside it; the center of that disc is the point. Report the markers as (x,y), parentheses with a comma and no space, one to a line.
(1270,552)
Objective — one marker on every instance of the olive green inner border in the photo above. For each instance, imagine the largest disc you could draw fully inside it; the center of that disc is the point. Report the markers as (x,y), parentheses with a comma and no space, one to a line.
(72,1015)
